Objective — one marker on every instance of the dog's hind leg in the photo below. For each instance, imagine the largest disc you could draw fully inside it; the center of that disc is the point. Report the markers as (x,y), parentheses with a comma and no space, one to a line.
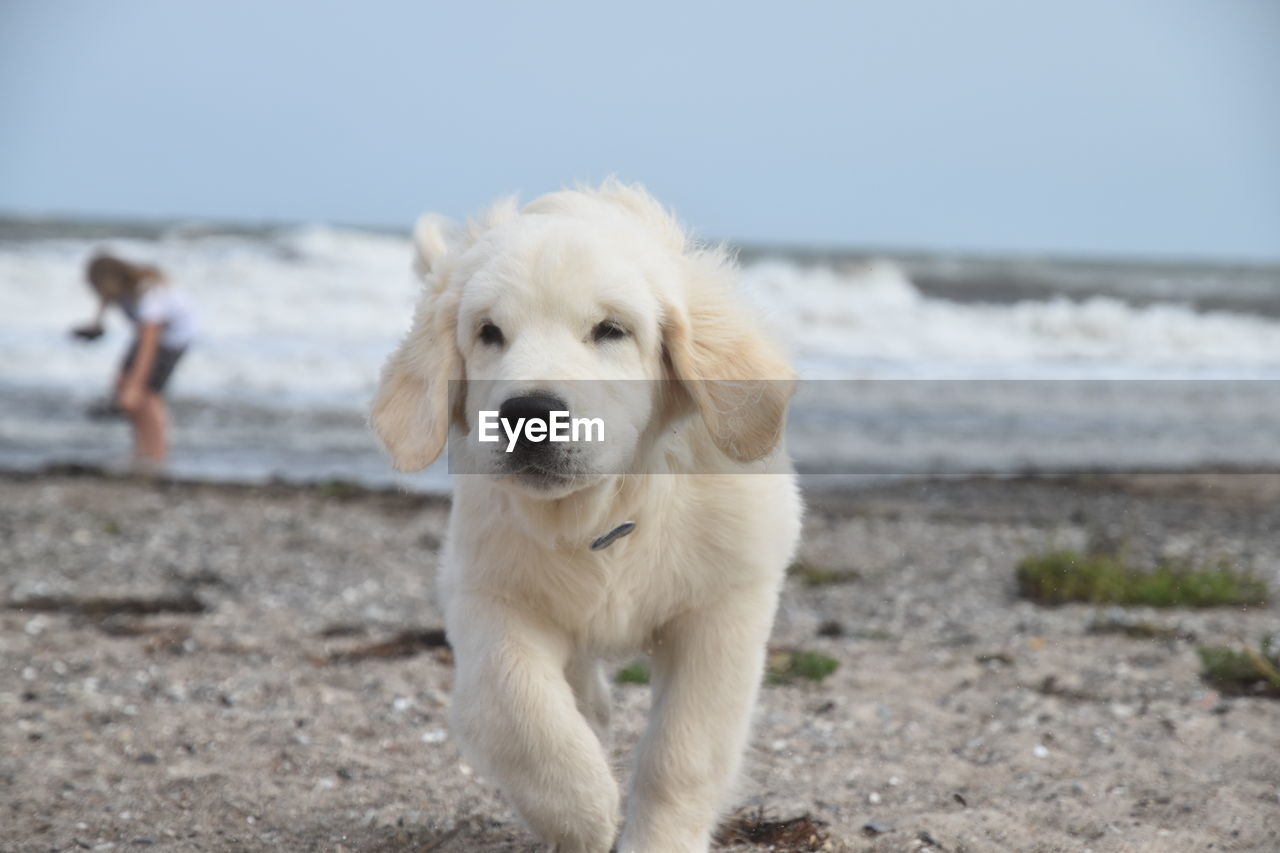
(591,691)
(707,667)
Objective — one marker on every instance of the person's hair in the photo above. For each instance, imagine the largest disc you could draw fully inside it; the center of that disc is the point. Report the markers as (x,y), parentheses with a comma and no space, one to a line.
(115,279)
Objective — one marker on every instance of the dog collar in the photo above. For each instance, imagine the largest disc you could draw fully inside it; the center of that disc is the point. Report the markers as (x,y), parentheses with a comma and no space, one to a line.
(623,529)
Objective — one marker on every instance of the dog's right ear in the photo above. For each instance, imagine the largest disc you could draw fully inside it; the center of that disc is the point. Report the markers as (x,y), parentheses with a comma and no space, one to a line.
(411,408)
(432,235)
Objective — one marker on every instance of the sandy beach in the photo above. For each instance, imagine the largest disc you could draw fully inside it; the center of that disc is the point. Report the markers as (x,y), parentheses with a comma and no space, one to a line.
(291,691)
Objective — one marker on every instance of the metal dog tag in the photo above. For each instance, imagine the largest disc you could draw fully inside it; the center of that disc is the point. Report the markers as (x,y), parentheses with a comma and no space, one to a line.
(623,529)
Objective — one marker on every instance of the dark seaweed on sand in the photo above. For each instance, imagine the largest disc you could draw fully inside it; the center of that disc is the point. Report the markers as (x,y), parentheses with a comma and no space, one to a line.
(102,606)
(792,835)
(407,643)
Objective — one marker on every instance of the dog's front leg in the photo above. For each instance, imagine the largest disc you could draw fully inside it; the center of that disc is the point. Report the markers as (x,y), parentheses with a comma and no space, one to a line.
(706,666)
(516,715)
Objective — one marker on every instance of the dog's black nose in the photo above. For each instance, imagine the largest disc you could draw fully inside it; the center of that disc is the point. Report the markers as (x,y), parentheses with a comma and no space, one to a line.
(531,406)
(536,406)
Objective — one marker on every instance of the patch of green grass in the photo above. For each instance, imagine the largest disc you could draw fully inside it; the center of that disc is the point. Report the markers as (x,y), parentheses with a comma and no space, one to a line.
(784,667)
(1002,658)
(787,665)
(1119,622)
(812,574)
(1061,577)
(1245,671)
(338,489)
(636,672)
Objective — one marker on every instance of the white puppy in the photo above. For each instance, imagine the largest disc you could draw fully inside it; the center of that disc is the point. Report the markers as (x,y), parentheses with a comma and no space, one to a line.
(594,302)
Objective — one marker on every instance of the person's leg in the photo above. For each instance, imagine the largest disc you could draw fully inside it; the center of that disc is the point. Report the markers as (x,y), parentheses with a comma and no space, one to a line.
(149,418)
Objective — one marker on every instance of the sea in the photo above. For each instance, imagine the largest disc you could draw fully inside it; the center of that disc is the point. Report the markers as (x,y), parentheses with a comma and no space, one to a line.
(910,363)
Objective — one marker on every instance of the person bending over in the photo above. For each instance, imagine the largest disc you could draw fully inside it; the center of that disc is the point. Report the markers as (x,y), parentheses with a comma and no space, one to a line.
(164,325)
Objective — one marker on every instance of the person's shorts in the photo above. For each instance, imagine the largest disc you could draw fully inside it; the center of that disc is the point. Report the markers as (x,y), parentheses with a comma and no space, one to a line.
(161,369)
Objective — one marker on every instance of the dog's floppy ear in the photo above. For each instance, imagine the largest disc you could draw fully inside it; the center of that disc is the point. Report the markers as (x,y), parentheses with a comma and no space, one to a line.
(432,235)
(410,411)
(739,379)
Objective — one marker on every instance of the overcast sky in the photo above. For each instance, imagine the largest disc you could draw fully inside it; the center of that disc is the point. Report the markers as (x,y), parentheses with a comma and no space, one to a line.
(1090,126)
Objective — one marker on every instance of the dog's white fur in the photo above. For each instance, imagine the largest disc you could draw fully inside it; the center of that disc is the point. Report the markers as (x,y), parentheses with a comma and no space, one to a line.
(529,609)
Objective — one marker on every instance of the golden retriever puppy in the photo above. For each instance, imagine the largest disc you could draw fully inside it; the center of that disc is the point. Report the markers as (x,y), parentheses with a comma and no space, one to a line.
(594,303)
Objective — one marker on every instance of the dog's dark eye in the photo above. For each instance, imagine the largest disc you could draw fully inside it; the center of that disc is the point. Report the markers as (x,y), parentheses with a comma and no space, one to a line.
(491,335)
(607,330)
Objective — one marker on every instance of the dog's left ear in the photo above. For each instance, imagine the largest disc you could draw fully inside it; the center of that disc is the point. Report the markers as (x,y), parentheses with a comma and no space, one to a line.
(738,378)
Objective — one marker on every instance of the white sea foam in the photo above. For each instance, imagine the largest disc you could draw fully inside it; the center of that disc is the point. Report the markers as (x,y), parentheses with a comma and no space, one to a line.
(874,323)
(305,316)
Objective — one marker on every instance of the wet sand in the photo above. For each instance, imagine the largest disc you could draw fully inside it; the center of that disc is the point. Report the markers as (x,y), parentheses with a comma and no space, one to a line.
(289,692)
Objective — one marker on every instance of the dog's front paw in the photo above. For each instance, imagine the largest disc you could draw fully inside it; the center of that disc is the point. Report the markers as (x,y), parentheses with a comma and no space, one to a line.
(579,823)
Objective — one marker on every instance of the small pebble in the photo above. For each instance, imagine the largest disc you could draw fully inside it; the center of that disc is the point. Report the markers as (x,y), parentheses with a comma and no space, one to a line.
(875,827)
(831,628)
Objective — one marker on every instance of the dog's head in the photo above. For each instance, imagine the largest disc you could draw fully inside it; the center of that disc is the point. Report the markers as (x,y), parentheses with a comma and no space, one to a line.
(591,303)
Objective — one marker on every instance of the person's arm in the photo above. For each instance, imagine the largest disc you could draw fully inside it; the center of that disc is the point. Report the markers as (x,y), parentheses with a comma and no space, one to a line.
(134,383)
(92,330)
